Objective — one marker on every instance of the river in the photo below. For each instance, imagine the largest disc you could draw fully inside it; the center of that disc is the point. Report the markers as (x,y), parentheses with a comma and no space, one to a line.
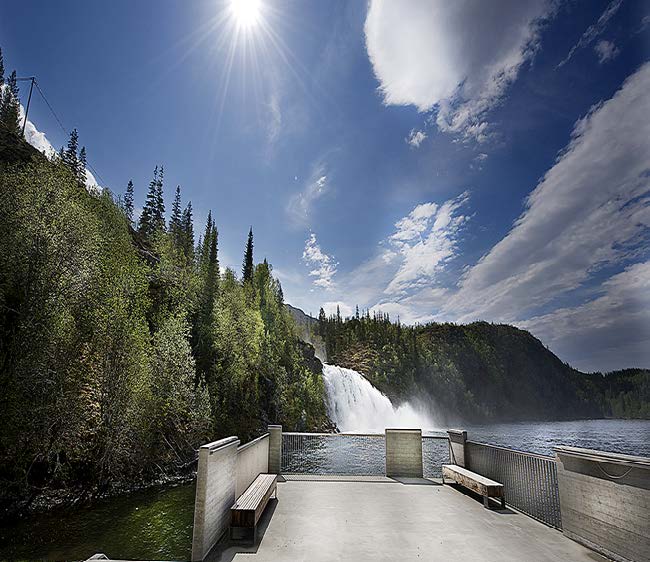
(156,524)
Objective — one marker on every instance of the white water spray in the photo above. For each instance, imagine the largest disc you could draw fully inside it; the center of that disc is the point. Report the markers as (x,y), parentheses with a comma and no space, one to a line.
(357,406)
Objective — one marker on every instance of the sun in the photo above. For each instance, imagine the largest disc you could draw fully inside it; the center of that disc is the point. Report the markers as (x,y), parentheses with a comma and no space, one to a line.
(246,13)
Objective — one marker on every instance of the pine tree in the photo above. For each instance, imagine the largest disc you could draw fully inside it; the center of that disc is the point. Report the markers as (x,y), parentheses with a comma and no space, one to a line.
(204,243)
(146,225)
(159,214)
(175,226)
(70,157)
(128,202)
(10,114)
(2,68)
(247,266)
(81,169)
(187,228)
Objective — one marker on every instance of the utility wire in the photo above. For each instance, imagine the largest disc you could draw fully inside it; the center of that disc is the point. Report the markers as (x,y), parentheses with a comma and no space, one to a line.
(22,79)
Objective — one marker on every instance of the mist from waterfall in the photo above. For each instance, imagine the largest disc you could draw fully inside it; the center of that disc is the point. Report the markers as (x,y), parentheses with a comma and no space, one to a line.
(357,406)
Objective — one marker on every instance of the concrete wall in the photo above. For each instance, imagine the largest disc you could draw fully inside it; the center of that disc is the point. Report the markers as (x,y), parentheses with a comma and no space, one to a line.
(275,449)
(605,501)
(457,440)
(252,460)
(215,494)
(404,452)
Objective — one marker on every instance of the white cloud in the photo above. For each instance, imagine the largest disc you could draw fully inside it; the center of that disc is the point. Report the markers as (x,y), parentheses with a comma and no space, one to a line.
(40,142)
(324,266)
(606,51)
(331,306)
(300,205)
(426,240)
(608,332)
(590,210)
(457,56)
(594,30)
(416,138)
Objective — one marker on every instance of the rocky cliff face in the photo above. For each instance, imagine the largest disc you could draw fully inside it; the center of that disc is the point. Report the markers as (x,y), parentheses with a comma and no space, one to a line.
(306,326)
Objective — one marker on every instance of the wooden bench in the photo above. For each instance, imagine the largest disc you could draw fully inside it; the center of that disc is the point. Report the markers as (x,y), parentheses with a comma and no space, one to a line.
(475,482)
(248,508)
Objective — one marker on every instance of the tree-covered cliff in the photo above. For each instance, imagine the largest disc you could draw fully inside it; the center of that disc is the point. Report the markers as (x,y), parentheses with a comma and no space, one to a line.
(123,343)
(479,371)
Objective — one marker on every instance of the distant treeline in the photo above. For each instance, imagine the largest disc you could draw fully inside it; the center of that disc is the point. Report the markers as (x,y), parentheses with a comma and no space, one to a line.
(123,344)
(478,372)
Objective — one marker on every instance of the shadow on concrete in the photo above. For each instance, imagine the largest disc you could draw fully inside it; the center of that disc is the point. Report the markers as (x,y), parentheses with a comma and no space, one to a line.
(226,549)
(415,481)
(495,504)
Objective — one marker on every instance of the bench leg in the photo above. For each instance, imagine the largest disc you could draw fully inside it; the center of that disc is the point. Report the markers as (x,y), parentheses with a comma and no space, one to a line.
(486,502)
(254,535)
(503,502)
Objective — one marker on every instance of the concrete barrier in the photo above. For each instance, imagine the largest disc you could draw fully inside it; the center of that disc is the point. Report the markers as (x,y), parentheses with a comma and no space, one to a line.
(252,460)
(215,494)
(457,441)
(404,452)
(605,501)
(275,449)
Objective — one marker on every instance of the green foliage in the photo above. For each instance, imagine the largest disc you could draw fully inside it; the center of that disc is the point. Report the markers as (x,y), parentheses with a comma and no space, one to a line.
(478,372)
(10,106)
(122,351)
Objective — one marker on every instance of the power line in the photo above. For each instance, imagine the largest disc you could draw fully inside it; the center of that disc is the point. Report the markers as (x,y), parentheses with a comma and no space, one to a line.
(35,82)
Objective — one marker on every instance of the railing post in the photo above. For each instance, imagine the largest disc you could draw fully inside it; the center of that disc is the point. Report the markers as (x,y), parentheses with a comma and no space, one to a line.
(275,449)
(404,452)
(457,448)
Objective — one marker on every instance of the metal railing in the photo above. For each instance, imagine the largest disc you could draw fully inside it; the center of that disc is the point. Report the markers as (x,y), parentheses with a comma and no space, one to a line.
(361,454)
(435,453)
(529,480)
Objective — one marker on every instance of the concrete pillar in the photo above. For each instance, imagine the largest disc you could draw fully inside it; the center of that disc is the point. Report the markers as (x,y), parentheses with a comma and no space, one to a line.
(275,449)
(605,501)
(404,452)
(216,479)
(457,440)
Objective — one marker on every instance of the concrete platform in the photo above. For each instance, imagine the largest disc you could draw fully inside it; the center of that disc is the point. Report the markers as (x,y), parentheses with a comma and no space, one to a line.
(347,518)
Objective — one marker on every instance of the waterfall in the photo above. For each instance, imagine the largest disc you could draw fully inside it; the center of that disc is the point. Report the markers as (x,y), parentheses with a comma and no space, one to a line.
(357,406)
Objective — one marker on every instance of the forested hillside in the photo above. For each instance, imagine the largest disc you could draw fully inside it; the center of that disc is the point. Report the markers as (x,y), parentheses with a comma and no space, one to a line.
(123,344)
(479,372)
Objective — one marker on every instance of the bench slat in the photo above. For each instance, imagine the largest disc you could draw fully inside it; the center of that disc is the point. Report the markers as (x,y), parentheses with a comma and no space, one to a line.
(250,505)
(475,482)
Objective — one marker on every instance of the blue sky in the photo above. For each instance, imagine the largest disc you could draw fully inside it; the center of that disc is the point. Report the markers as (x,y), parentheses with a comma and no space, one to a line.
(436,160)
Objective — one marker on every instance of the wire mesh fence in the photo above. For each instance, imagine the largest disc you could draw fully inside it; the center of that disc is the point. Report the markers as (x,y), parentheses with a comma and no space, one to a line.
(529,480)
(435,453)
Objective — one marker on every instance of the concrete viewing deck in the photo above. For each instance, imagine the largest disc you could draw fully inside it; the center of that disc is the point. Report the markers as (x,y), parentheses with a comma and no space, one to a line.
(379,518)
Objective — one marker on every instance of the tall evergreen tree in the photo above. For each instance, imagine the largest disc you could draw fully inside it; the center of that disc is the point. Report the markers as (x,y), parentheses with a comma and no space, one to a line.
(175,226)
(128,202)
(247,266)
(81,169)
(10,114)
(159,216)
(187,229)
(70,156)
(147,217)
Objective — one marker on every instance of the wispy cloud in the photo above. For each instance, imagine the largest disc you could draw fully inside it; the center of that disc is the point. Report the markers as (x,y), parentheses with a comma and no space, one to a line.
(589,211)
(300,204)
(426,240)
(458,57)
(606,51)
(323,265)
(594,30)
(274,122)
(416,138)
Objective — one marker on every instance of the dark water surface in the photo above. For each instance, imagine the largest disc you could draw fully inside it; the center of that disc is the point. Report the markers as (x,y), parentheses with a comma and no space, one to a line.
(157,524)
(154,524)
